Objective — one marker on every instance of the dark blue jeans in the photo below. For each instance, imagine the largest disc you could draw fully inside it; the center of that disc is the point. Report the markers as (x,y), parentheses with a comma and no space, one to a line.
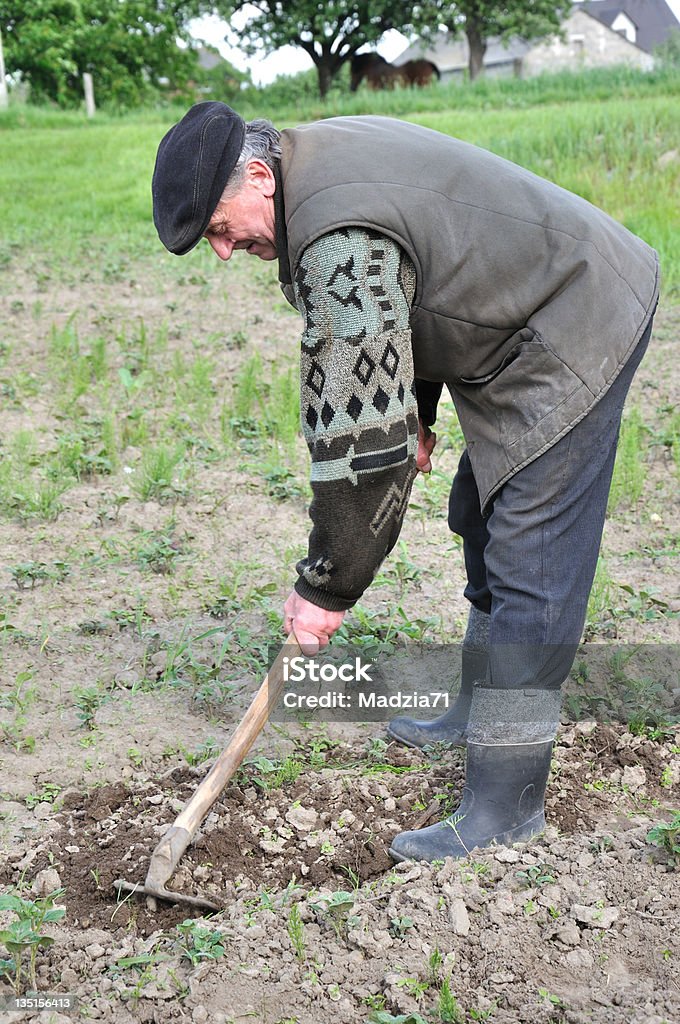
(532,560)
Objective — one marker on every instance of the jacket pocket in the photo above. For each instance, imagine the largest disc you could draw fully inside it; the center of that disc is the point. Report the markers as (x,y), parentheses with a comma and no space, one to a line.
(529,384)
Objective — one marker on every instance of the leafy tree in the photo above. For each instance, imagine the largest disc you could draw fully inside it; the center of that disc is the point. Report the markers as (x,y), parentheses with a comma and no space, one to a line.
(479,20)
(668,52)
(331,32)
(127,45)
(38,38)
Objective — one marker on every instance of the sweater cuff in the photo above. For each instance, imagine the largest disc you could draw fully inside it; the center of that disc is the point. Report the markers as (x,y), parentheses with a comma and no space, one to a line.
(331,602)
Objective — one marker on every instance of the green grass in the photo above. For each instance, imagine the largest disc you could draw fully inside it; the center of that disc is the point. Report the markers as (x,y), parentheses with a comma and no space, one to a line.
(296,99)
(265,403)
(601,599)
(630,469)
(30,485)
(159,473)
(600,134)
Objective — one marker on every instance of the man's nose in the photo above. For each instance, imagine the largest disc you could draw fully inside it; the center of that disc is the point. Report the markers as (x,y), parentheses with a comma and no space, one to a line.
(221,246)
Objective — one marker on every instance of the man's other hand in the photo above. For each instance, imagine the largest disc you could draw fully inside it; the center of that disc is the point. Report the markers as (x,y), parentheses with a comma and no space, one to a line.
(313,626)
(426,442)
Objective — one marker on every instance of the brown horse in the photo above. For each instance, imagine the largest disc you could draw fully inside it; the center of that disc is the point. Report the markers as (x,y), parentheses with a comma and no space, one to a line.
(420,72)
(380,74)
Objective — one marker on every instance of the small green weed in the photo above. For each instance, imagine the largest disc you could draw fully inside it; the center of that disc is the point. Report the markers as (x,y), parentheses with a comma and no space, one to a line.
(336,908)
(90,450)
(448,1007)
(158,550)
(188,665)
(296,931)
(265,405)
(535,876)
(600,601)
(372,635)
(141,960)
(203,752)
(87,701)
(74,368)
(18,700)
(47,795)
(606,608)
(25,933)
(108,508)
(429,498)
(550,997)
(399,569)
(415,987)
(273,774)
(158,474)
(199,943)
(19,696)
(434,965)
(283,485)
(643,605)
(237,341)
(238,592)
(30,574)
(126,618)
(400,925)
(620,694)
(666,835)
(17,737)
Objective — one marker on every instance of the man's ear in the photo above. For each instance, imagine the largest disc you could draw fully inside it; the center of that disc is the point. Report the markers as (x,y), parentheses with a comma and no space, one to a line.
(261,176)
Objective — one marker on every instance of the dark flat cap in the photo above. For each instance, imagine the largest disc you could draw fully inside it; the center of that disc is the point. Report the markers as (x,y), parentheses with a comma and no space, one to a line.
(193,164)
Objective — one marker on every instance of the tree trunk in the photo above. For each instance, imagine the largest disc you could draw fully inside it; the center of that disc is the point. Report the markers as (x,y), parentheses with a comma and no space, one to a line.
(325,72)
(477,44)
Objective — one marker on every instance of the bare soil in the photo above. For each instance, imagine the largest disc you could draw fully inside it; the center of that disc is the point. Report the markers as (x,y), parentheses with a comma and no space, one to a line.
(578,926)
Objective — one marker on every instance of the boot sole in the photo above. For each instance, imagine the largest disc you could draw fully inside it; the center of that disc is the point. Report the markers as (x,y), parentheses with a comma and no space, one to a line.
(521,834)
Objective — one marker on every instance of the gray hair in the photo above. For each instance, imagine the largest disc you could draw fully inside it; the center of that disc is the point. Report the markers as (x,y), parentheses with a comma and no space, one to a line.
(262,142)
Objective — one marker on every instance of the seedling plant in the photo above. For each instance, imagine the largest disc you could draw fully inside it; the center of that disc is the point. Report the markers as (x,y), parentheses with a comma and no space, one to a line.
(25,933)
(200,943)
(666,835)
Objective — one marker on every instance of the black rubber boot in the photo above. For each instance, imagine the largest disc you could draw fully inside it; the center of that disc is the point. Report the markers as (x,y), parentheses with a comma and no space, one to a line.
(451,727)
(507,769)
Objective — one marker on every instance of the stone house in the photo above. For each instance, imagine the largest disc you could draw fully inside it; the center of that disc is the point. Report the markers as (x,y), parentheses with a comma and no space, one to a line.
(645,22)
(586,42)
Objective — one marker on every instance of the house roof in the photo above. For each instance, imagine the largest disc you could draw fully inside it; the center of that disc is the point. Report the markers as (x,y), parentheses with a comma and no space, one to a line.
(607,15)
(653,19)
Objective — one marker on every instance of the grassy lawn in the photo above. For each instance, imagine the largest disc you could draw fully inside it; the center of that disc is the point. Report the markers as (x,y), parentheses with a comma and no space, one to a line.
(73,185)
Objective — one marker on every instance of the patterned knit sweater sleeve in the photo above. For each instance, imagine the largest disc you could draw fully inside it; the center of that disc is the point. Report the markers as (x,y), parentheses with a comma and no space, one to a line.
(354,289)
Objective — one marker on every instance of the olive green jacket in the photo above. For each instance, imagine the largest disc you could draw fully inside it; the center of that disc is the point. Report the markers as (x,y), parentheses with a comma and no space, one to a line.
(529,300)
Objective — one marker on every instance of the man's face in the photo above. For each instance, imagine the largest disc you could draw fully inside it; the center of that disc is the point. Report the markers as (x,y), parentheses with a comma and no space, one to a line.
(246,221)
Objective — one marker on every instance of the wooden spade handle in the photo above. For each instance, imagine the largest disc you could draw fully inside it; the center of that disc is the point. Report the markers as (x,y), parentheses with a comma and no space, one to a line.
(247,731)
